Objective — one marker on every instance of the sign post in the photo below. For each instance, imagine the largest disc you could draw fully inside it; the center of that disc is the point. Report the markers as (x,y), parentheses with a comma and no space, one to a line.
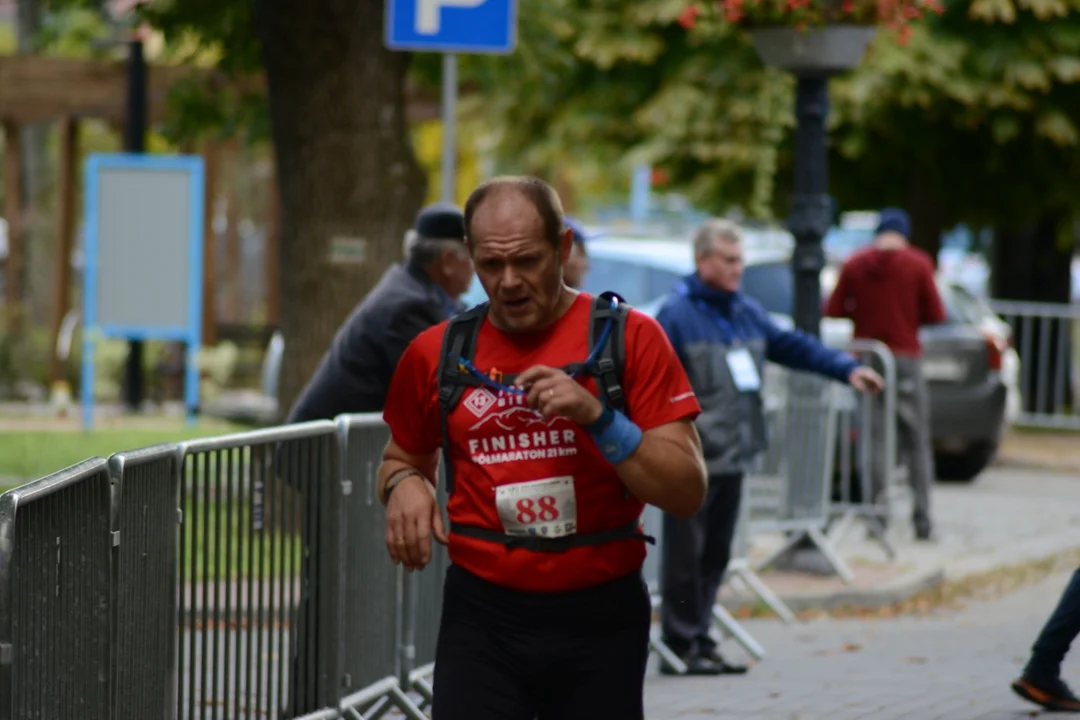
(451,27)
(143,259)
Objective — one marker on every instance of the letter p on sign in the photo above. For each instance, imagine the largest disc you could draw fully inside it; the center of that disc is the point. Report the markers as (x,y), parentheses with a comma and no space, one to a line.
(429,13)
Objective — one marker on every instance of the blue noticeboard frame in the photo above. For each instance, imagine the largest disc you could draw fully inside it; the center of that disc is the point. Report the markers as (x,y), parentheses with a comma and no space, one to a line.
(460,26)
(189,329)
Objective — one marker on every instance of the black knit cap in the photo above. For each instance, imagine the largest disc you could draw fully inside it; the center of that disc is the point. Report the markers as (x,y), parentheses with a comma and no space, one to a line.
(442,221)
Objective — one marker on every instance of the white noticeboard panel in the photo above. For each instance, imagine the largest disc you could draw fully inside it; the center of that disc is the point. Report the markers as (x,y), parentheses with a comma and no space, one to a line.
(143,269)
(143,225)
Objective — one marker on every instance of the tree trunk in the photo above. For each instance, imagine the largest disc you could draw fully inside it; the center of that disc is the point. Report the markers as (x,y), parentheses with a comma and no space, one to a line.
(349,181)
(1034,264)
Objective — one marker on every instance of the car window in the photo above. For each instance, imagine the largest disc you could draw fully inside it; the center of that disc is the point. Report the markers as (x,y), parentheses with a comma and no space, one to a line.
(662,282)
(845,241)
(628,279)
(475,294)
(771,285)
(958,308)
(974,306)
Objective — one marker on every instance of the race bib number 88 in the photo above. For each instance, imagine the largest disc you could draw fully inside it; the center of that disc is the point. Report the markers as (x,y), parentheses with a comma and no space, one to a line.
(545,508)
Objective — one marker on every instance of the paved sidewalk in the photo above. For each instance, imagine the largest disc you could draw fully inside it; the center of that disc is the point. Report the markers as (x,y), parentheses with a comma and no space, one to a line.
(948,665)
(1055,451)
(1007,517)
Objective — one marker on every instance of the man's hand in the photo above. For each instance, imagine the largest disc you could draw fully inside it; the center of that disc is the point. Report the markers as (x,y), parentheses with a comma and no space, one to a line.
(412,515)
(553,392)
(866,380)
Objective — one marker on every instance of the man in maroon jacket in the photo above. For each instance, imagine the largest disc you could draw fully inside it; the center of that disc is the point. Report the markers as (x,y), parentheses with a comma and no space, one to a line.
(888,291)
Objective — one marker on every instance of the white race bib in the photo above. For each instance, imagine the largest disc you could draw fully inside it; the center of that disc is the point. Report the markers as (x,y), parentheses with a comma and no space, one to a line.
(544,508)
(743,370)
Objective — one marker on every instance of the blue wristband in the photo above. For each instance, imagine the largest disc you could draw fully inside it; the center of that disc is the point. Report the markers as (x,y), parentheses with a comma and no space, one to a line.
(619,439)
(601,423)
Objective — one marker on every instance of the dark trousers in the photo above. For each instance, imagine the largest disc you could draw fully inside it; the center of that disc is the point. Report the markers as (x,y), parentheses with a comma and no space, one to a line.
(694,558)
(509,655)
(1061,629)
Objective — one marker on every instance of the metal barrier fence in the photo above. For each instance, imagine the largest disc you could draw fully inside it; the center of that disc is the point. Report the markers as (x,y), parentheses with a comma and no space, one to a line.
(56,645)
(792,495)
(258,574)
(1045,336)
(246,576)
(379,659)
(146,491)
(867,470)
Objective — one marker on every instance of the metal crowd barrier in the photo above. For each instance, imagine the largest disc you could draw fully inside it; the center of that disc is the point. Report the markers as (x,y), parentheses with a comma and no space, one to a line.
(796,499)
(258,574)
(765,470)
(56,644)
(1045,336)
(376,661)
(653,522)
(867,470)
(146,491)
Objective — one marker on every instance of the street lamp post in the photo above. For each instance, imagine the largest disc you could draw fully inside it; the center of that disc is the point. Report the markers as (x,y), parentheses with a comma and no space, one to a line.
(811,205)
(135,142)
(812,55)
(135,126)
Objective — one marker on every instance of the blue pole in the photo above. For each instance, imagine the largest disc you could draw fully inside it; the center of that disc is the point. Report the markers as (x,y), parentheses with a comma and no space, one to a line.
(639,193)
(195,291)
(89,313)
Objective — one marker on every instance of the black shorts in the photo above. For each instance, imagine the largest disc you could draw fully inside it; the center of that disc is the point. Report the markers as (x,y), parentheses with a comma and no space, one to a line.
(510,655)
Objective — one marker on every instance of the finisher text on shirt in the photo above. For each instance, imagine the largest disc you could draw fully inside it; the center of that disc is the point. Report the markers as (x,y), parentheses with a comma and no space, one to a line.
(538,445)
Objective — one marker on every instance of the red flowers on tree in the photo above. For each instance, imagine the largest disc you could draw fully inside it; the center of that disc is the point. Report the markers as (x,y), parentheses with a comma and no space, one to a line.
(894,14)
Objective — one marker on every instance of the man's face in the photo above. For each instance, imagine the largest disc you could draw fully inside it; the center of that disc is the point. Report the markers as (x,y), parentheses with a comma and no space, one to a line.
(520,270)
(576,267)
(457,266)
(723,268)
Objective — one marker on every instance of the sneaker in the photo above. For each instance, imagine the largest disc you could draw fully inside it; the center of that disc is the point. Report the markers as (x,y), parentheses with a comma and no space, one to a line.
(1050,693)
(694,666)
(713,655)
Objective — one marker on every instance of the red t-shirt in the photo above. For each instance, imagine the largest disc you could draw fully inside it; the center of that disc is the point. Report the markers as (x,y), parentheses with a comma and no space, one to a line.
(498,441)
(888,295)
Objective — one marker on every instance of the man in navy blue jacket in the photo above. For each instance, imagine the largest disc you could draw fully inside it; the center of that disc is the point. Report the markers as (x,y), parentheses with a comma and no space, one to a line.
(723,339)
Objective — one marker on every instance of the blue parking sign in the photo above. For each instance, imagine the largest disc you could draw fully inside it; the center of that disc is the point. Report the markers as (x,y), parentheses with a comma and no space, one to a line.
(452,26)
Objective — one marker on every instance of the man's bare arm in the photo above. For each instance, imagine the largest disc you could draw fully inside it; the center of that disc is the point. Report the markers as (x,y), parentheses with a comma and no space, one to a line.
(395,458)
(668,469)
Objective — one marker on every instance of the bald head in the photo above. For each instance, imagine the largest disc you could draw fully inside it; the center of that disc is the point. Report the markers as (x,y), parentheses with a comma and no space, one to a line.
(519,244)
(505,194)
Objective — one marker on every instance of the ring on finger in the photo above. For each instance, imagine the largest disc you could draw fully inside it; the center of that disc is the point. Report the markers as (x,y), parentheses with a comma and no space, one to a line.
(550,394)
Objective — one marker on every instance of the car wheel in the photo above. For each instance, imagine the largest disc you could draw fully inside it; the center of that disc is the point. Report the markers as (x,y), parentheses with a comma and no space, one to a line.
(965,466)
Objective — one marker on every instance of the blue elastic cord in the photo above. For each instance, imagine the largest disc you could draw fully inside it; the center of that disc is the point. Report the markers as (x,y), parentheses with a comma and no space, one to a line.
(619,440)
(597,348)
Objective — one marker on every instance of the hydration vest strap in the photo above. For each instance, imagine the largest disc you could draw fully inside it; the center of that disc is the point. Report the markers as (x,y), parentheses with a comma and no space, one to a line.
(459,340)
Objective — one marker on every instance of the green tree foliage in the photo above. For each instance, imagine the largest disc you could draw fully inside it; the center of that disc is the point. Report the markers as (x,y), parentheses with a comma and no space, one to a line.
(978,109)
(607,83)
(971,118)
